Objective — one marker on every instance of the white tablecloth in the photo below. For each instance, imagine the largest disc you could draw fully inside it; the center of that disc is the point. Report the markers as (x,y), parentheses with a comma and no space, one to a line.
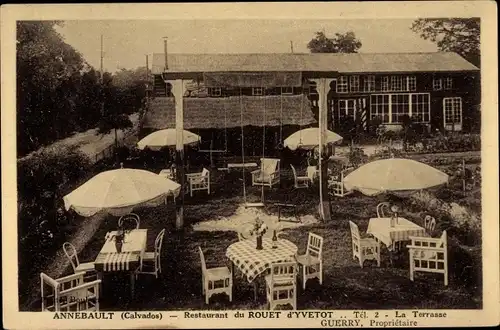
(253,262)
(133,247)
(382,230)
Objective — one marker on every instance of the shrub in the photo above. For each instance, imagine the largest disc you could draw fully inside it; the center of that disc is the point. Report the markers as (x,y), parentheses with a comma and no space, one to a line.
(452,217)
(452,143)
(357,156)
(43,179)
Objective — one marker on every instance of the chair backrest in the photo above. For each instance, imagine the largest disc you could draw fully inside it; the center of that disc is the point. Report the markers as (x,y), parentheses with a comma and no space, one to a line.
(294,172)
(202,259)
(269,165)
(205,172)
(380,209)
(70,252)
(444,240)
(70,293)
(129,218)
(283,271)
(159,241)
(429,223)
(354,231)
(314,245)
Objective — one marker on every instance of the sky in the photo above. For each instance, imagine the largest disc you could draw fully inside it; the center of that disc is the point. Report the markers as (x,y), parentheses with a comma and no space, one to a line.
(127,42)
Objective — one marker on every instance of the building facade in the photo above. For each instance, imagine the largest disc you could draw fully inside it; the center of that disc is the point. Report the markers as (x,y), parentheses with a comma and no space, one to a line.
(439,90)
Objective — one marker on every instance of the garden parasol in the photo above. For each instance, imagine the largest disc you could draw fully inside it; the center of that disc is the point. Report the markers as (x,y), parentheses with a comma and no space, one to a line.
(119,191)
(166,138)
(393,175)
(309,139)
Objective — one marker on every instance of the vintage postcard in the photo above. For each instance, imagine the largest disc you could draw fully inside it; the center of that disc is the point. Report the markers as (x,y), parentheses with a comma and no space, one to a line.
(250,165)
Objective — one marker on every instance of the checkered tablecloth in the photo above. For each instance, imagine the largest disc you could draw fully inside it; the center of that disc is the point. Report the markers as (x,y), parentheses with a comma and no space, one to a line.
(382,230)
(252,262)
(134,245)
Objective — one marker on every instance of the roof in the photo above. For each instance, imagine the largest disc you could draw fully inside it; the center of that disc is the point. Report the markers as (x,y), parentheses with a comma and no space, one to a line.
(317,62)
(202,113)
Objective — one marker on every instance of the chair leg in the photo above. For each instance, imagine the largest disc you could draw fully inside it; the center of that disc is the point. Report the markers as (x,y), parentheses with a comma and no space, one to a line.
(321,273)
(304,279)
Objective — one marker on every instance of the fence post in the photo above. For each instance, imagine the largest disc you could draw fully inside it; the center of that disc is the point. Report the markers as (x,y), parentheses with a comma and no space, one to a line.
(463,174)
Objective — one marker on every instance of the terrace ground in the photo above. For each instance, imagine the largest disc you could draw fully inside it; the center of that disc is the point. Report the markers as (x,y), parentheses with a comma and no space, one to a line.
(345,286)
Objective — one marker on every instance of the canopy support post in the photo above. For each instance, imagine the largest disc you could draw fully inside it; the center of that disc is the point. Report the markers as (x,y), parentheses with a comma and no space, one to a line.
(178,92)
(323,87)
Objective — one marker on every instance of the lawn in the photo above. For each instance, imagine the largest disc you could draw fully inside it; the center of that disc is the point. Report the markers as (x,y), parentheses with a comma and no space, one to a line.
(345,286)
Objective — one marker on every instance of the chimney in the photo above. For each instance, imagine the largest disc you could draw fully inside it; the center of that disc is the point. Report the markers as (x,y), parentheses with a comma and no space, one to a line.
(165,39)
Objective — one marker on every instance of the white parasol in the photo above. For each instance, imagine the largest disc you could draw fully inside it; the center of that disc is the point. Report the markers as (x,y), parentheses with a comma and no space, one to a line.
(166,138)
(393,175)
(309,139)
(118,192)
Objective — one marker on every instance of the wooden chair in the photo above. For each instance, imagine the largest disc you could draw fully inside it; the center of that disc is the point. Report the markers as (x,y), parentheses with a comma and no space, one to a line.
(429,224)
(199,181)
(213,276)
(336,183)
(86,267)
(382,208)
(151,261)
(131,220)
(364,248)
(268,174)
(312,261)
(281,285)
(69,293)
(429,255)
(300,181)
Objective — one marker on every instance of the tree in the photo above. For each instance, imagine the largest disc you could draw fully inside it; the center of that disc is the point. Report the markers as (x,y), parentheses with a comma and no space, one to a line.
(57,91)
(459,35)
(341,43)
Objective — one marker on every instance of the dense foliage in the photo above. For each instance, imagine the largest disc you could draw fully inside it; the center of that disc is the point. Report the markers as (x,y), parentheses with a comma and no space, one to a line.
(340,43)
(459,35)
(58,93)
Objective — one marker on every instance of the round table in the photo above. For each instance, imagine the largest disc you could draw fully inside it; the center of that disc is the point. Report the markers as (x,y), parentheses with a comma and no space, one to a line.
(252,262)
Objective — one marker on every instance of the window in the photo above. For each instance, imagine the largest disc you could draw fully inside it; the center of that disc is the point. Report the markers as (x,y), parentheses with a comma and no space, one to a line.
(391,107)
(437,84)
(452,110)
(257,91)
(379,107)
(398,84)
(354,83)
(412,83)
(214,91)
(286,90)
(369,84)
(347,108)
(400,106)
(420,107)
(448,83)
(342,85)
(385,84)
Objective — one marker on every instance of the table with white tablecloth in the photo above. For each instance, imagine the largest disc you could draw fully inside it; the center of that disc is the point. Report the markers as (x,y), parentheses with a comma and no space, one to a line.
(127,260)
(381,229)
